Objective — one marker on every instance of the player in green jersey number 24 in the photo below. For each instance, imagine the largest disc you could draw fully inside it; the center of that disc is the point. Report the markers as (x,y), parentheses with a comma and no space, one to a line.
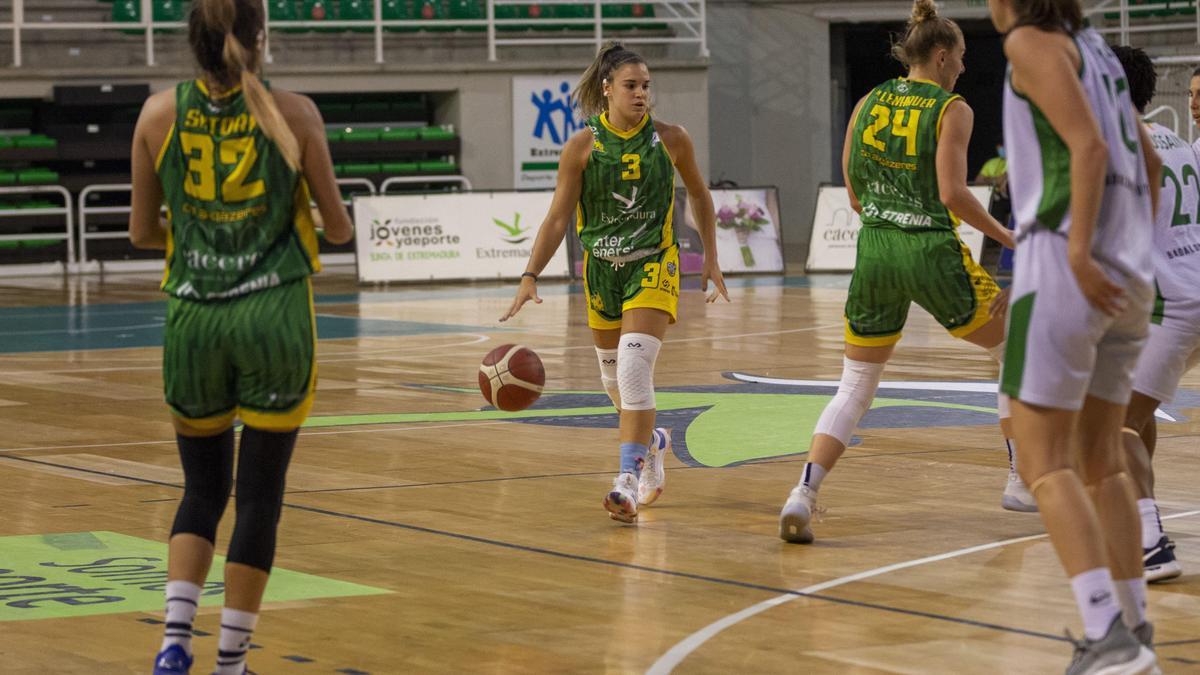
(234,164)
(616,183)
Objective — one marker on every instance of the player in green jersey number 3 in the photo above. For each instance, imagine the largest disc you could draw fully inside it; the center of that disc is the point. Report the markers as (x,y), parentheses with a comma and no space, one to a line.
(233,164)
(616,181)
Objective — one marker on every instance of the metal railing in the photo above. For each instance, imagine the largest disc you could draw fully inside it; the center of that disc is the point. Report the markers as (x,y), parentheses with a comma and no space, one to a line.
(686,21)
(1124,28)
(463,183)
(67,211)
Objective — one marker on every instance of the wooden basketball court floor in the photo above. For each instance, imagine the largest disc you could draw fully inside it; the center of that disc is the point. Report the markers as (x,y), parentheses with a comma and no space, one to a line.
(425,533)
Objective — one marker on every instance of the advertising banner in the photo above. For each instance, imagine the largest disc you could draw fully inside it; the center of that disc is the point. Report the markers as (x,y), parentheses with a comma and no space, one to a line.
(832,246)
(450,236)
(544,117)
(748,232)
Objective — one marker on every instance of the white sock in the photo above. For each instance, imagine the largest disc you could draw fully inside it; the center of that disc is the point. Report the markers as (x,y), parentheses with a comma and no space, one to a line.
(1096,597)
(813,475)
(236,628)
(1151,525)
(1132,594)
(183,598)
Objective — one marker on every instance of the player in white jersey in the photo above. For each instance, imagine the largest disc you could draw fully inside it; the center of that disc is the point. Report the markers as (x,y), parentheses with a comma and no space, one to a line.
(1083,179)
(1174,343)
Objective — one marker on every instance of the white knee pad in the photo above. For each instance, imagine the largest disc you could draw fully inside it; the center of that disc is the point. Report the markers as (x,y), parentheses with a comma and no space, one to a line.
(608,374)
(854,395)
(635,370)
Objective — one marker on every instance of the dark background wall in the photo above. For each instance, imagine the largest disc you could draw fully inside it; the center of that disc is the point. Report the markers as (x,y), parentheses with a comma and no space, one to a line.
(860,58)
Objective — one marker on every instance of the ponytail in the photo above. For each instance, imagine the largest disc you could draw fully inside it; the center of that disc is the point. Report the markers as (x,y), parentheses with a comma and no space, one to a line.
(224,38)
(925,32)
(590,90)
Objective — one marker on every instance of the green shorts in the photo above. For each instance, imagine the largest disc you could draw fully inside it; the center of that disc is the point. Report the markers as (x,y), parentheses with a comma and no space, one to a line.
(932,268)
(253,356)
(651,282)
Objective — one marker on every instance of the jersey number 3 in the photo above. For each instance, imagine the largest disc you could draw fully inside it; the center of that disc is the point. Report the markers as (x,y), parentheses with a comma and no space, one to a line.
(201,180)
(633,167)
(905,123)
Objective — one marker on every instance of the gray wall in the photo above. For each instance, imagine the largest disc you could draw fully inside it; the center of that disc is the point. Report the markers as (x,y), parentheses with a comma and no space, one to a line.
(769,106)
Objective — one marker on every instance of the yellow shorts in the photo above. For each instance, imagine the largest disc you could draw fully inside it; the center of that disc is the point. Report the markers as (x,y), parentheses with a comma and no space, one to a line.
(652,282)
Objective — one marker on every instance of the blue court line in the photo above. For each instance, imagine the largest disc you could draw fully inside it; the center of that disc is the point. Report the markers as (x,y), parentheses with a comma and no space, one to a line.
(599,561)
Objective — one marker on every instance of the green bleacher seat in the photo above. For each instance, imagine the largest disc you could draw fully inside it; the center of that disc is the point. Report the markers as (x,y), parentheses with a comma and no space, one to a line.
(397,10)
(334,135)
(432,10)
(339,170)
(8,178)
(284,10)
(436,134)
(438,166)
(6,142)
(360,135)
(361,169)
(168,10)
(37,176)
(357,10)
(406,134)
(468,10)
(512,12)
(372,107)
(34,141)
(393,168)
(576,12)
(127,11)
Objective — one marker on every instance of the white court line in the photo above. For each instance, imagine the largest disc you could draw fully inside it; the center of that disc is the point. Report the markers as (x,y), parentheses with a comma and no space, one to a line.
(675,655)
(375,429)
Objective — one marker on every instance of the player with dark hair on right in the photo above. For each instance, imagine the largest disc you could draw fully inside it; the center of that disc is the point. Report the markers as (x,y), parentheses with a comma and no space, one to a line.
(1194,101)
(1174,343)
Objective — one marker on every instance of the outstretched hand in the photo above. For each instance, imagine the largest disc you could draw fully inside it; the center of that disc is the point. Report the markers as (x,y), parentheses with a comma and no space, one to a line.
(713,271)
(525,292)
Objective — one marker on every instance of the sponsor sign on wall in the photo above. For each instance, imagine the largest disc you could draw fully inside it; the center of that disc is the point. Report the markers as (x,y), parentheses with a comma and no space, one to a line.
(748,227)
(834,240)
(544,117)
(450,236)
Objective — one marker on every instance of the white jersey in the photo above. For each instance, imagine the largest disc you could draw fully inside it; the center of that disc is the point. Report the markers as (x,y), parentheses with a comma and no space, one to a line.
(1176,250)
(1196,146)
(1039,167)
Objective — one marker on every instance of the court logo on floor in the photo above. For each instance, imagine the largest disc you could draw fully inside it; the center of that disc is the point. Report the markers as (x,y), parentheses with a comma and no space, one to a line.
(86,573)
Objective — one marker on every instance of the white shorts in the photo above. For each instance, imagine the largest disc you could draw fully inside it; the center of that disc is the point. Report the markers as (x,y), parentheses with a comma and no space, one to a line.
(1168,354)
(1060,349)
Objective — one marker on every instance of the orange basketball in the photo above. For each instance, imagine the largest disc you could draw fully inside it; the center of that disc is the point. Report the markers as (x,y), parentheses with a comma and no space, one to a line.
(511,377)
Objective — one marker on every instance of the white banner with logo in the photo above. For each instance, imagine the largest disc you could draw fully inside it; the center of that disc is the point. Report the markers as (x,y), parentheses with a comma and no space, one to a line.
(450,236)
(544,117)
(833,244)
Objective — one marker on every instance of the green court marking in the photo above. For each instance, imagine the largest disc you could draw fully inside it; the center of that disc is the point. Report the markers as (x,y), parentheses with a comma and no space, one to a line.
(86,573)
(736,427)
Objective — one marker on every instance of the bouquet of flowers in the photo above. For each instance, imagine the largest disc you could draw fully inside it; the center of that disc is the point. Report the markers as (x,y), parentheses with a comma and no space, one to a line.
(744,218)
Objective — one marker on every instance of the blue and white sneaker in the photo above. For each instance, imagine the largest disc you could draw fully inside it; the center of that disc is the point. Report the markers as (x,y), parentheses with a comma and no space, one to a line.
(621,502)
(654,474)
(1158,561)
(172,660)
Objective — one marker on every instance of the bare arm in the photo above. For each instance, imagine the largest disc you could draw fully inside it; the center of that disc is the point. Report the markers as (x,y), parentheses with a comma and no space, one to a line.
(1154,165)
(317,165)
(1044,67)
(957,123)
(854,203)
(561,214)
(684,154)
(146,229)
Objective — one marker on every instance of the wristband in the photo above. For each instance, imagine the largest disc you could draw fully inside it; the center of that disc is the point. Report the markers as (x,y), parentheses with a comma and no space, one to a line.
(531,275)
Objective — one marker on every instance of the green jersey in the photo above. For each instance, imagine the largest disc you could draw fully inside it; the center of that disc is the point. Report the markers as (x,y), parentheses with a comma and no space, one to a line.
(238,215)
(893,156)
(627,204)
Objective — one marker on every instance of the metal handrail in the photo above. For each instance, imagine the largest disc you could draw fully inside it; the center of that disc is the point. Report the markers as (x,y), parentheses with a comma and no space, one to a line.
(689,16)
(410,180)
(66,210)
(1165,109)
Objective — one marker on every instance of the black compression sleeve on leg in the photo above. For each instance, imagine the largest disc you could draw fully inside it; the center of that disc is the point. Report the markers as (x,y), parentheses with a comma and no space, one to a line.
(262,470)
(207,479)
